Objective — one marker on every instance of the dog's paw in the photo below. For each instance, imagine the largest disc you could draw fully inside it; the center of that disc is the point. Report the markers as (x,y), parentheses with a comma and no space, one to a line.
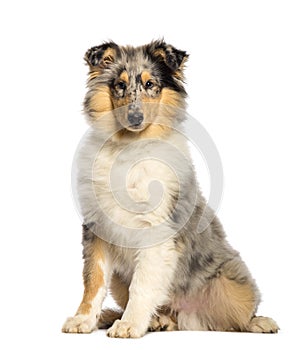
(261,324)
(162,323)
(124,329)
(79,324)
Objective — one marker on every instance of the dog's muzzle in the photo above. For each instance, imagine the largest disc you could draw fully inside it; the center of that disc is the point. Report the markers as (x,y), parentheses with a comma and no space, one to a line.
(135,116)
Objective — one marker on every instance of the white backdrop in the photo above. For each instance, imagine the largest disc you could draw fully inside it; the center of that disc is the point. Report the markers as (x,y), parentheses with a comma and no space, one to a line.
(241,82)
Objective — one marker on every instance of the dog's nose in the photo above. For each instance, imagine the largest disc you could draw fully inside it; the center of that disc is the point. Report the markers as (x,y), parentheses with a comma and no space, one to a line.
(135,118)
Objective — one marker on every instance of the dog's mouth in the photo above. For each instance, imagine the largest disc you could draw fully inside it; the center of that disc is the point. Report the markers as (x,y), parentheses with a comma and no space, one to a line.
(136,127)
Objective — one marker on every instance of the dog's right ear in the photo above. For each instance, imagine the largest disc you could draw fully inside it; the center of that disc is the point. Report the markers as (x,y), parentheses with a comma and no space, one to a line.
(101,57)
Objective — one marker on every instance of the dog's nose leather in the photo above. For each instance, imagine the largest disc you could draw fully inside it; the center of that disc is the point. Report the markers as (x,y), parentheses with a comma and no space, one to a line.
(135,115)
(135,118)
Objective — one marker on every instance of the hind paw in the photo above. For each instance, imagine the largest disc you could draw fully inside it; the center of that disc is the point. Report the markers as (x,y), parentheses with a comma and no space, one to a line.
(162,323)
(261,324)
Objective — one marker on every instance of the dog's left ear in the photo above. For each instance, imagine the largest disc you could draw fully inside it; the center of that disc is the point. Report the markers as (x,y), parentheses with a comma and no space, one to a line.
(173,58)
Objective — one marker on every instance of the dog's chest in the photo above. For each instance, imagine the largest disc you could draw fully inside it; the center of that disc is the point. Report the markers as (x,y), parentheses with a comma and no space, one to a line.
(133,187)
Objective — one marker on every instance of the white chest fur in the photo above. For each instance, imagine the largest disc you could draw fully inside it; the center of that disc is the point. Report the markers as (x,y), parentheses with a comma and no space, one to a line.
(133,185)
(126,187)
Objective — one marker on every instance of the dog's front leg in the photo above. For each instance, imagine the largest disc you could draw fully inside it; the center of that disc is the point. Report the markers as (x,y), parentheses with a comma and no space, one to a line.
(96,273)
(148,290)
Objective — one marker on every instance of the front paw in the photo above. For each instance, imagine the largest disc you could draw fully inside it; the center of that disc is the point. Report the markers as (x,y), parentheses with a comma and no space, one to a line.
(125,329)
(79,324)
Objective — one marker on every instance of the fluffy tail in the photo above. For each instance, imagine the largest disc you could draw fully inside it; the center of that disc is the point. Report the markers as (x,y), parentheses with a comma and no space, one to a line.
(107,318)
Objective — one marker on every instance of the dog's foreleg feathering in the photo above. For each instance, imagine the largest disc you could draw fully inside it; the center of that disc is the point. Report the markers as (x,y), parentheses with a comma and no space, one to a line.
(95,275)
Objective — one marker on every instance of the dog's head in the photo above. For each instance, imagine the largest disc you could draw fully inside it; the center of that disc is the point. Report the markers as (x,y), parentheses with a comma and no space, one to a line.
(139,88)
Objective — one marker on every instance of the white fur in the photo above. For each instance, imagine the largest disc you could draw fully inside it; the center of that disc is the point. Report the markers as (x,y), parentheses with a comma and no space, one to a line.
(123,188)
(189,321)
(154,269)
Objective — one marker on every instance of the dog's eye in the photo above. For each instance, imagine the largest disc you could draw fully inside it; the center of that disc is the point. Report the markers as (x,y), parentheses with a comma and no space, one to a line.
(149,84)
(121,85)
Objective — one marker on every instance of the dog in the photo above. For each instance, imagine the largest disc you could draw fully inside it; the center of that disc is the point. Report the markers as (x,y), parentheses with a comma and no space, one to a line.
(162,271)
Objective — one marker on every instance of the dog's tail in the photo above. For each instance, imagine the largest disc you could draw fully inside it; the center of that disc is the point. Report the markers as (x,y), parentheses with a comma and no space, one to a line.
(107,318)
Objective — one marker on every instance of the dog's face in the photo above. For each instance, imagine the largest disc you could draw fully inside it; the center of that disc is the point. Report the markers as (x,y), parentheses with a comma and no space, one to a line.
(138,88)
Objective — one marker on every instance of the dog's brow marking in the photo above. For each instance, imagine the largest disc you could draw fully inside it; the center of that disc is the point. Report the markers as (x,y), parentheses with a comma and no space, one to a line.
(124,76)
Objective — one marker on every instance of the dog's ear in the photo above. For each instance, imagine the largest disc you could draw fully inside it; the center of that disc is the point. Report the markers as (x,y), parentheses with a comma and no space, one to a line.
(102,56)
(174,59)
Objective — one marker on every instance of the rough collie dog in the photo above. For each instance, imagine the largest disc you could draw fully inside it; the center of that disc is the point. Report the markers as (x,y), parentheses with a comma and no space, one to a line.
(142,207)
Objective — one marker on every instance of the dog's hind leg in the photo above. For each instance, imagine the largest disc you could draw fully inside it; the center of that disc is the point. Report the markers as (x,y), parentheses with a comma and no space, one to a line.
(119,290)
(225,305)
(221,305)
(163,320)
(108,317)
(260,324)
(95,274)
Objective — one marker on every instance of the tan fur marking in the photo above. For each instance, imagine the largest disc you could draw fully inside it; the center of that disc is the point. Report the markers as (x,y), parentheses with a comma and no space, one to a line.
(84,307)
(124,76)
(145,76)
(93,74)
(93,276)
(119,102)
(172,98)
(179,73)
(101,102)
(155,131)
(164,107)
(230,304)
(168,101)
(154,100)
(222,305)
(109,55)
(159,52)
